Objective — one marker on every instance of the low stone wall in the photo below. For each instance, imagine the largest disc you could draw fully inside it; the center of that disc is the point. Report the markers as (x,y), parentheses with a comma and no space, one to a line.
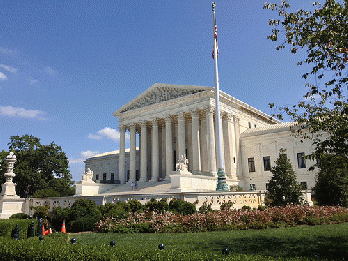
(216,199)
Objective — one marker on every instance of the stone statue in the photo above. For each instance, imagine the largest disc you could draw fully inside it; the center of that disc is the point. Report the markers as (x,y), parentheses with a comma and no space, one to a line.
(9,188)
(11,160)
(181,166)
(87,176)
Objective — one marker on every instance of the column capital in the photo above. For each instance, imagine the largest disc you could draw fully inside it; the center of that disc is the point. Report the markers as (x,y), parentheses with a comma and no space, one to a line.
(181,115)
(168,118)
(195,112)
(122,127)
(227,116)
(209,109)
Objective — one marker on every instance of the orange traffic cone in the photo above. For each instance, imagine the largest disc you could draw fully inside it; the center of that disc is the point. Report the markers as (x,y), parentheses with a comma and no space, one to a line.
(63,230)
(43,230)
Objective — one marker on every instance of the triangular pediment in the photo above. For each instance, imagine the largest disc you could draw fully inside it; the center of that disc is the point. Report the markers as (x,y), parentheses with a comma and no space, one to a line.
(160,92)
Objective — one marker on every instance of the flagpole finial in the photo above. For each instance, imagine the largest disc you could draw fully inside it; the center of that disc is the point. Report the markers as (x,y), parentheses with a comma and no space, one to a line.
(213,6)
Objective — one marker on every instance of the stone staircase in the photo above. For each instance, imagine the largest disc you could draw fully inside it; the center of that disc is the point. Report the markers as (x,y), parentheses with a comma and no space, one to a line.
(143,188)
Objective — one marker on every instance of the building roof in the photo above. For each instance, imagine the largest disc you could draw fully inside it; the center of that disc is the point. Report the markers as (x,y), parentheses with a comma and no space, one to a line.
(270,128)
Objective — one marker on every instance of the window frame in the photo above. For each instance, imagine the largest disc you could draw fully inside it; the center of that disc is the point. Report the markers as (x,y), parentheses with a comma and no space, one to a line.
(251,165)
(301,161)
(268,160)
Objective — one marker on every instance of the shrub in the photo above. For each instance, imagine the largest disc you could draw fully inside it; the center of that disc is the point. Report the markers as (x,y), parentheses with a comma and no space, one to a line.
(205,208)
(41,212)
(181,207)
(8,225)
(20,216)
(82,215)
(246,207)
(226,206)
(135,205)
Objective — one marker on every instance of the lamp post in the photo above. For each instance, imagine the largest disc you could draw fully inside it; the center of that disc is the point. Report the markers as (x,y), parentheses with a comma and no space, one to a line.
(221,183)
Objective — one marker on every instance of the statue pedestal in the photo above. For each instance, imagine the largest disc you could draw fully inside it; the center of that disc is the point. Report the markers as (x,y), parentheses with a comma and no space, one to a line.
(10,206)
(9,190)
(86,188)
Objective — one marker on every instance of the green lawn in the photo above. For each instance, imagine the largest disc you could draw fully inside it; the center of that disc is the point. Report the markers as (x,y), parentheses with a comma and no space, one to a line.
(325,242)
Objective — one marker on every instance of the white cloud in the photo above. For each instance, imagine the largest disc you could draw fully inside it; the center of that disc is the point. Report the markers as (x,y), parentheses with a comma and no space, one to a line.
(94,137)
(2,76)
(110,133)
(49,70)
(21,112)
(8,68)
(84,155)
(88,153)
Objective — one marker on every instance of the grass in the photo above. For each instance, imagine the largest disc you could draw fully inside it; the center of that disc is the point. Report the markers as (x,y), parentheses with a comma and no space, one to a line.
(325,242)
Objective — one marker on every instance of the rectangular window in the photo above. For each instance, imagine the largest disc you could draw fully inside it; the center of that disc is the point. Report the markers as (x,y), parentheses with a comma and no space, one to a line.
(104,176)
(267,163)
(301,161)
(251,164)
(97,177)
(112,176)
(249,125)
(234,159)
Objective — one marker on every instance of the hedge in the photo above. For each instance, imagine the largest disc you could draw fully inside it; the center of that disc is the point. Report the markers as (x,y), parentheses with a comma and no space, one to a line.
(8,225)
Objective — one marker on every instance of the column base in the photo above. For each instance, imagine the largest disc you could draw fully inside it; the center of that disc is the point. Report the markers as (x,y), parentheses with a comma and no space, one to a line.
(221,184)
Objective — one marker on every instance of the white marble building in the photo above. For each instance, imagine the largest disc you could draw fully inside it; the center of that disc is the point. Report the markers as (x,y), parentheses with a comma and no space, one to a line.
(172,120)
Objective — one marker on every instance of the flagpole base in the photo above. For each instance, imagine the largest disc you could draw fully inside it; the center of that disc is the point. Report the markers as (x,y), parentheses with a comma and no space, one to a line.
(221,184)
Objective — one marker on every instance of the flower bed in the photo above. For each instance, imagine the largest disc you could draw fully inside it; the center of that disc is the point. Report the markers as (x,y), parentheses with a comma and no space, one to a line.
(152,222)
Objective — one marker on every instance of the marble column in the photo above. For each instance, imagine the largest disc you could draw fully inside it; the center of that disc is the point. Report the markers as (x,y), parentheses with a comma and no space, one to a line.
(143,154)
(229,141)
(155,151)
(132,156)
(181,135)
(196,158)
(211,142)
(169,147)
(237,145)
(122,155)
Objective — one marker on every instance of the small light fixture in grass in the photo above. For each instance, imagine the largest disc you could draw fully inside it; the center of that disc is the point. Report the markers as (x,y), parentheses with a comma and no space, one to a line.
(41,238)
(225,251)
(160,246)
(112,243)
(73,241)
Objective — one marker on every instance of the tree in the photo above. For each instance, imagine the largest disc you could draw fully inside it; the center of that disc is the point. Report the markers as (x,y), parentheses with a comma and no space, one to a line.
(283,189)
(323,115)
(331,187)
(39,167)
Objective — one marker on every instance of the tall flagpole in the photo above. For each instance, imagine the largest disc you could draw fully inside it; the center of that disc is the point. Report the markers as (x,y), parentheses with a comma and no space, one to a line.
(221,184)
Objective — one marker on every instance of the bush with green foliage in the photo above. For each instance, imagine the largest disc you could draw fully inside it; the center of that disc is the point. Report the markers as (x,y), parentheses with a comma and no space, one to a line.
(283,188)
(8,225)
(20,216)
(331,187)
(81,216)
(157,206)
(118,210)
(180,206)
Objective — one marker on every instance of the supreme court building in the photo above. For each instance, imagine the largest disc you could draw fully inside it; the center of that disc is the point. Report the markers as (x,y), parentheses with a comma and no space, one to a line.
(167,121)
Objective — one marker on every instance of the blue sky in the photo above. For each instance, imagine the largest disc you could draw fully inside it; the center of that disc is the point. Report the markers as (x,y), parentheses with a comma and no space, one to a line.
(66,66)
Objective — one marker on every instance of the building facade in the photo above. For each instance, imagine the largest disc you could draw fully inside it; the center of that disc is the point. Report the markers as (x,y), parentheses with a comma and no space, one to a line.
(168,121)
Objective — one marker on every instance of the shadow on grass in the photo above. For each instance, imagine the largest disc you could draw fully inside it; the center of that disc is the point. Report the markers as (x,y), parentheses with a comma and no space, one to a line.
(321,247)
